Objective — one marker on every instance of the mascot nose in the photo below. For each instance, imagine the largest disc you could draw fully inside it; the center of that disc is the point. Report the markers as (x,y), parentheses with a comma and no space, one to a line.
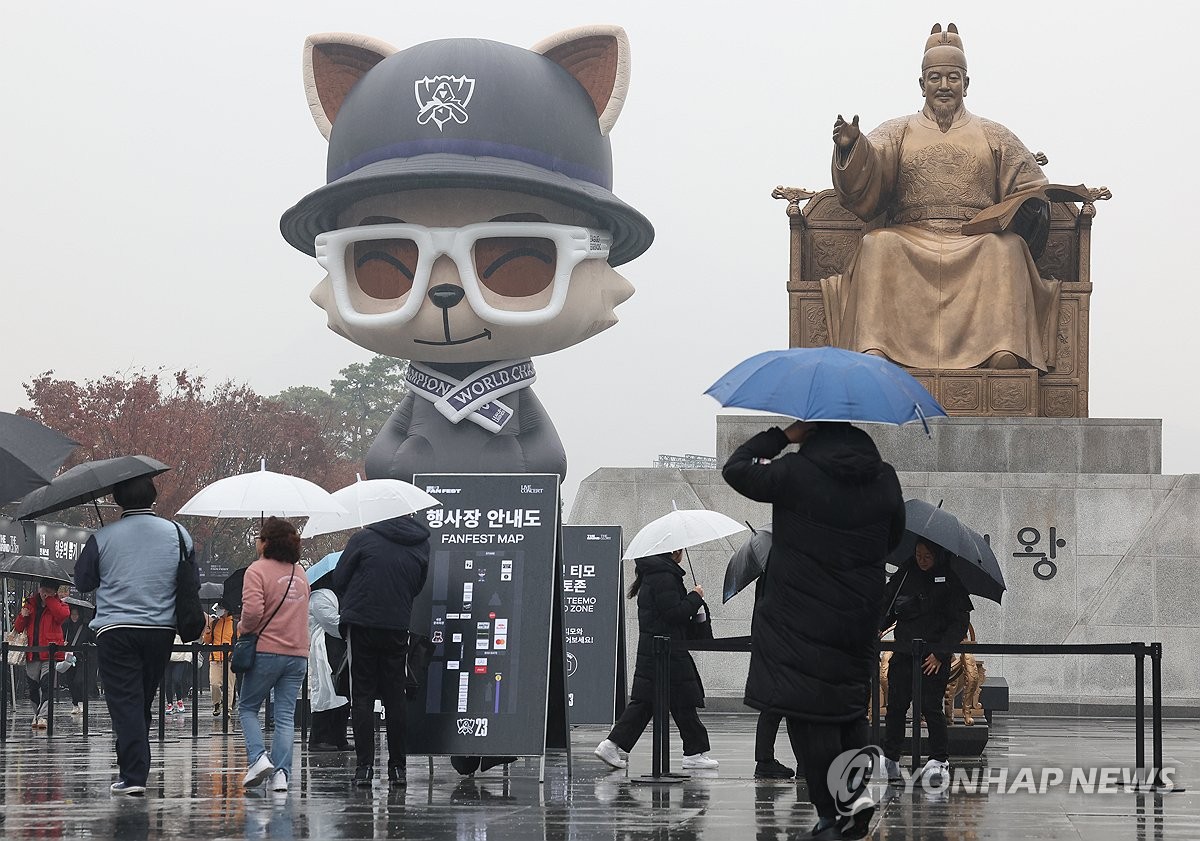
(446,295)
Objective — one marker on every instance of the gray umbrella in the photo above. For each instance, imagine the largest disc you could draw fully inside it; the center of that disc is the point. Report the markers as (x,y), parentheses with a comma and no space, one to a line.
(747,562)
(972,559)
(32,567)
(30,455)
(86,483)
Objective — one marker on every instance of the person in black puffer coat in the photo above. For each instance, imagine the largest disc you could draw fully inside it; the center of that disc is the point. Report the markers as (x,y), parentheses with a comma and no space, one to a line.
(665,608)
(836,512)
(381,569)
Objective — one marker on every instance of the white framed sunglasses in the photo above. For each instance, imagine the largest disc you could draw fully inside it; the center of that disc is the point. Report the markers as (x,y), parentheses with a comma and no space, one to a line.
(512,273)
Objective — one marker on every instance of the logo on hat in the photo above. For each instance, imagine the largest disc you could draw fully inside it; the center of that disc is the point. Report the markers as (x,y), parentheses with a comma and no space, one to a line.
(443,98)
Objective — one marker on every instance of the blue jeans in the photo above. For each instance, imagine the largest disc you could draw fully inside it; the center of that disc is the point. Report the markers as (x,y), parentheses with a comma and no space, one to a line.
(285,674)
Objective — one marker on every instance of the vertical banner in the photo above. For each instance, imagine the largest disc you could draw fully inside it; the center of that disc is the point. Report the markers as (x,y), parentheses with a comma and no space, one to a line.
(488,606)
(591,576)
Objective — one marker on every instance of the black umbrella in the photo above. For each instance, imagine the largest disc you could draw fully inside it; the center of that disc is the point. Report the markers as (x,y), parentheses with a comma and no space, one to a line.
(32,567)
(232,597)
(85,483)
(747,562)
(971,558)
(212,591)
(30,455)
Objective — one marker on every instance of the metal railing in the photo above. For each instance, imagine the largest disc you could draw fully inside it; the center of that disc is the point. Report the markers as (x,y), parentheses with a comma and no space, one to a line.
(918,649)
(84,656)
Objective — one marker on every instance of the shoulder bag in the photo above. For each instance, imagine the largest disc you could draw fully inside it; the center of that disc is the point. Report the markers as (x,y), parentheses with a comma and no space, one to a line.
(241,660)
(16,658)
(189,614)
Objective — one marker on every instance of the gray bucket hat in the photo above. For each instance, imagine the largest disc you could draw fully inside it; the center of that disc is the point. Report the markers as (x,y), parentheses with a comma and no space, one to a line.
(469,113)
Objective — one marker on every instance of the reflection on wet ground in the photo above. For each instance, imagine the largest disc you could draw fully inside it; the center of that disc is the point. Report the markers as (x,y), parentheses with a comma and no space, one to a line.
(58,787)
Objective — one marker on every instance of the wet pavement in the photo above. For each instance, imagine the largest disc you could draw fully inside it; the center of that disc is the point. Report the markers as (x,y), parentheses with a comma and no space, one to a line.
(58,788)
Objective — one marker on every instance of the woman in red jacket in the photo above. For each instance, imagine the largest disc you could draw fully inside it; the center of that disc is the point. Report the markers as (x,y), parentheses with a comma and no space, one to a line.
(42,618)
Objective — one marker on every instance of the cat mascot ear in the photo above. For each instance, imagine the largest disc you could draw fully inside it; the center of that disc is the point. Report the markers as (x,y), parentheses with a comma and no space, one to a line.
(333,62)
(598,58)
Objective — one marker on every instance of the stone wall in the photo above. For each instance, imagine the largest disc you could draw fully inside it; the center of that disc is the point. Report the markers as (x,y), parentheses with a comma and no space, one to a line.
(1125,564)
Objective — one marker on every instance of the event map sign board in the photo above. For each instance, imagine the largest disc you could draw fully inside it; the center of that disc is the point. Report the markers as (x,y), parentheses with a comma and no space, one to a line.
(591,573)
(487,606)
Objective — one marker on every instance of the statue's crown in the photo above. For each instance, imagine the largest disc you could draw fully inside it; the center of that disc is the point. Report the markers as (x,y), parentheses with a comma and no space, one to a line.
(944,48)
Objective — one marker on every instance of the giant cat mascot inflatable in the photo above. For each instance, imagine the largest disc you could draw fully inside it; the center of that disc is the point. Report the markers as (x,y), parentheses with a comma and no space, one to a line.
(468,224)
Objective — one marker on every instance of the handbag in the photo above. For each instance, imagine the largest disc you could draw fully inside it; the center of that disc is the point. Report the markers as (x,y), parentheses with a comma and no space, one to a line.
(189,614)
(241,659)
(16,658)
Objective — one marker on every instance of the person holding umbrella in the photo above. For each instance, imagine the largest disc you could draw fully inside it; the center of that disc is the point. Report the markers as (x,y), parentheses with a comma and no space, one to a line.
(836,512)
(925,600)
(666,607)
(80,679)
(134,567)
(42,617)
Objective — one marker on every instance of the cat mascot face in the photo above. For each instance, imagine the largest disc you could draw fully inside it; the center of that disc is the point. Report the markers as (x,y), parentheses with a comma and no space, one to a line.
(467,224)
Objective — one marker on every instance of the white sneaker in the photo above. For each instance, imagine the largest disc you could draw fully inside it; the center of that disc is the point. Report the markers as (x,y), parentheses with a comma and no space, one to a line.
(699,761)
(258,772)
(279,781)
(891,767)
(935,772)
(609,753)
(77,709)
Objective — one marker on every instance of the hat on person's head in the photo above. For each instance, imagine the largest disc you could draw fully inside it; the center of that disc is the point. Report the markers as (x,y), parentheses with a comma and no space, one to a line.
(944,49)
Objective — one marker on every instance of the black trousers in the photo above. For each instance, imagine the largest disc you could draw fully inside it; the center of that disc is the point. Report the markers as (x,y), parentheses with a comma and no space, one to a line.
(132,662)
(764,736)
(637,715)
(933,689)
(377,669)
(816,745)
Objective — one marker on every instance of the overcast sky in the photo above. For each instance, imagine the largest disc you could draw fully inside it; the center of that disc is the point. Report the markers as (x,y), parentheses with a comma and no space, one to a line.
(149,149)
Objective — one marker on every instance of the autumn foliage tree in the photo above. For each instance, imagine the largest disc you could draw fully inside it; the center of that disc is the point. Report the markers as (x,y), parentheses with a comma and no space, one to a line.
(204,433)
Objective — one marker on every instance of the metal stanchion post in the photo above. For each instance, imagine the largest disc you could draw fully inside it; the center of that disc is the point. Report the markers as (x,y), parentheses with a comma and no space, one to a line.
(918,654)
(1139,712)
(196,690)
(4,692)
(51,662)
(662,705)
(162,713)
(225,700)
(875,707)
(304,711)
(85,680)
(1156,712)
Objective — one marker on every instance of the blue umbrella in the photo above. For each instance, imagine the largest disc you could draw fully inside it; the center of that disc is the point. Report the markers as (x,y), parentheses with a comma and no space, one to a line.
(323,566)
(827,383)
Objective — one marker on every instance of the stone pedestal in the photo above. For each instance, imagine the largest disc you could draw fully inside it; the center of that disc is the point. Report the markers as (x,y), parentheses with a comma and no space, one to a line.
(1095,544)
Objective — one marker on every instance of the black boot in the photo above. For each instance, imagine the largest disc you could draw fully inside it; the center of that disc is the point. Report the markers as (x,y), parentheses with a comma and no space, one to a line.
(363,775)
(397,776)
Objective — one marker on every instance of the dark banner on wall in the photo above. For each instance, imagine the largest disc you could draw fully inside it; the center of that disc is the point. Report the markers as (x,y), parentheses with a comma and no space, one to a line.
(488,607)
(591,576)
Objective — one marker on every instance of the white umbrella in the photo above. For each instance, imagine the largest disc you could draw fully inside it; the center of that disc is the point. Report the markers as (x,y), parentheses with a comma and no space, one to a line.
(679,530)
(262,493)
(370,501)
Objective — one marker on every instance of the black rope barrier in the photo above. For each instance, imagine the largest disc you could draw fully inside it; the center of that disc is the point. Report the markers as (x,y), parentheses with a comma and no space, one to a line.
(918,649)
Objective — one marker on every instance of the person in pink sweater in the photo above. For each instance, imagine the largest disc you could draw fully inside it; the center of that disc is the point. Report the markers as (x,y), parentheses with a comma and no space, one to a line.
(275,607)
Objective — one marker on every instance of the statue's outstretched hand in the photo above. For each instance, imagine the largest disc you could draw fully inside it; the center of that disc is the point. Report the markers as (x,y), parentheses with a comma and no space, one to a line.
(845,134)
